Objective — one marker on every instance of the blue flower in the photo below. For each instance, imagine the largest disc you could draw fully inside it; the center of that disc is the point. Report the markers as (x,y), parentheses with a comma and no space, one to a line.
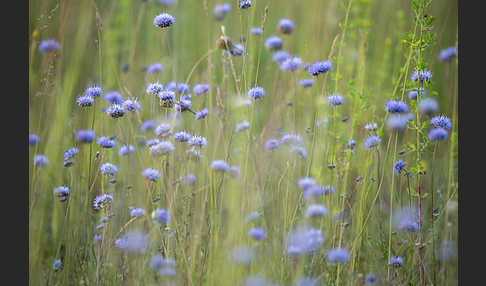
(271,144)
(286,26)
(257,233)
(151,174)
(131,105)
(162,148)
(163,130)
(40,160)
(163,20)
(220,10)
(398,122)
(304,240)
(441,121)
(256,92)
(70,153)
(106,142)
(62,192)
(33,139)
(49,45)
(189,179)
(371,141)
(183,105)
(85,136)
(137,212)
(201,114)
(200,88)
(351,143)
(220,166)
(335,99)
(306,82)
(147,125)
(133,241)
(370,279)
(398,167)
(338,255)
(413,93)
(102,201)
(273,43)
(161,216)
(438,134)
(154,68)
(181,87)
(293,139)
(113,97)
(256,31)
(319,67)
(425,75)
(371,126)
(329,189)
(126,150)
(57,265)
(242,126)
(237,50)
(291,64)
(93,91)
(197,141)
(182,136)
(395,261)
(315,210)
(85,100)
(396,106)
(245,4)
(300,150)
(428,105)
(280,56)
(167,98)
(154,88)
(447,54)
(108,169)
(166,3)
(115,111)
(406,219)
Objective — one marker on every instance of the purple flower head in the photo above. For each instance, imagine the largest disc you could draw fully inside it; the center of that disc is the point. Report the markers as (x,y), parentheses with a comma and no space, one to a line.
(49,45)
(286,26)
(164,20)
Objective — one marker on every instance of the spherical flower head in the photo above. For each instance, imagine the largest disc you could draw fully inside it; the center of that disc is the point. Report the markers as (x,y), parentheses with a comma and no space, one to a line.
(245,4)
(425,75)
(147,125)
(163,130)
(49,45)
(242,126)
(242,254)
(371,126)
(291,64)
(189,179)
(181,87)
(154,88)
(414,93)
(237,50)
(304,240)
(220,10)
(115,110)
(257,233)
(85,136)
(338,255)
(312,192)
(167,98)
(319,67)
(395,261)
(113,97)
(137,212)
(437,134)
(441,121)
(126,150)
(273,43)
(370,279)
(133,241)
(256,92)
(151,174)
(306,82)
(234,171)
(398,122)
(164,20)
(291,139)
(183,105)
(351,144)
(256,31)
(396,106)
(371,141)
(316,210)
(102,201)
(200,88)
(398,167)
(40,160)
(108,169)
(56,265)
(286,26)
(406,219)
(70,153)
(152,142)
(335,99)
(197,141)
(85,100)
(271,144)
(201,114)
(93,91)
(306,182)
(161,216)
(162,148)
(182,136)
(62,192)
(428,105)
(220,166)
(155,68)
(329,190)
(33,139)
(131,105)
(106,142)
(280,56)
(299,150)
(447,54)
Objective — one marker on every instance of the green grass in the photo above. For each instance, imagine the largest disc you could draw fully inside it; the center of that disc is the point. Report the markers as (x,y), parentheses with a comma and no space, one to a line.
(364,39)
